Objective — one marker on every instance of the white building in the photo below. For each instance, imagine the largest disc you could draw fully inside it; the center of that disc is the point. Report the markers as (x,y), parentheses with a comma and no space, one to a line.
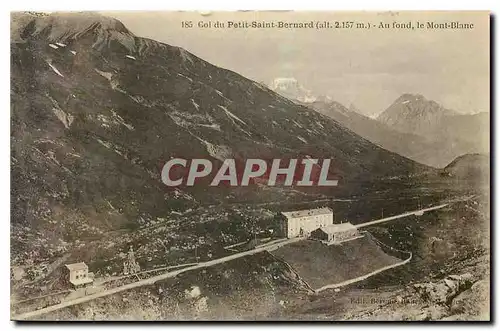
(336,233)
(303,222)
(79,274)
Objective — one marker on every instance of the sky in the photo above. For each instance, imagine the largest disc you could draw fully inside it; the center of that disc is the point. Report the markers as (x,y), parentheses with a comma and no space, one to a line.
(369,68)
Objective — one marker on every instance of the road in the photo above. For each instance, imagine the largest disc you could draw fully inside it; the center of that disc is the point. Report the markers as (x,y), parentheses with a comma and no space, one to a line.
(386,219)
(270,246)
(373,273)
(152,280)
(363,277)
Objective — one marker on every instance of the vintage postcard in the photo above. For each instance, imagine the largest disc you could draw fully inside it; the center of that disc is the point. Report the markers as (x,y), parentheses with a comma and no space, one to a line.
(254,166)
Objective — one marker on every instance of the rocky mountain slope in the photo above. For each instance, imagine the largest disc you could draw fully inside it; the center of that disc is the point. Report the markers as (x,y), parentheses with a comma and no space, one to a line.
(447,279)
(409,145)
(460,133)
(96,112)
(412,126)
(413,113)
(469,167)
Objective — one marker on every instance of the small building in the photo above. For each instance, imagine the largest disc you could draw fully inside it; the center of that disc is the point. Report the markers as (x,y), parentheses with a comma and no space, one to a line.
(301,223)
(336,233)
(79,274)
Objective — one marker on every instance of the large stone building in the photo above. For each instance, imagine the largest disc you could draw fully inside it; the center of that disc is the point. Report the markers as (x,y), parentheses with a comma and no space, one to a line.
(335,233)
(302,222)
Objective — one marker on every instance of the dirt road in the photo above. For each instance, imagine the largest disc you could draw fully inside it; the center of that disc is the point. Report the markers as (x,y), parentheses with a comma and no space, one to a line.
(152,280)
(149,281)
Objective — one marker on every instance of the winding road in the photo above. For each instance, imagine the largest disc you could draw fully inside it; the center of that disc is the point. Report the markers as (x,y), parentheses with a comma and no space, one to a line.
(270,246)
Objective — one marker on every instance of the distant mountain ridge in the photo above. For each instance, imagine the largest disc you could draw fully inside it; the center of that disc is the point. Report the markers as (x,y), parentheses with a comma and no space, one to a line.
(290,88)
(459,133)
(413,113)
(97,111)
(470,167)
(412,126)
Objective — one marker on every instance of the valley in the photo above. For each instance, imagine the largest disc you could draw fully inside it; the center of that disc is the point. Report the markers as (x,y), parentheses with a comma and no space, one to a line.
(96,114)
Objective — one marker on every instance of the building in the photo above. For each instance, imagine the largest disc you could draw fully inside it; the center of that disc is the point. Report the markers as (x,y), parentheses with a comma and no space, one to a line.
(336,233)
(79,274)
(303,222)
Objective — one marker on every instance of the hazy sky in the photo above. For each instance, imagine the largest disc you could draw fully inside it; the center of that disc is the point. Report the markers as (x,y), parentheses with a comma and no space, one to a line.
(369,68)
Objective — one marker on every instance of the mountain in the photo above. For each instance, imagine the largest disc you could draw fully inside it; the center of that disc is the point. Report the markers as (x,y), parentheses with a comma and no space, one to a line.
(409,145)
(460,133)
(412,113)
(353,108)
(469,167)
(416,128)
(96,112)
(290,88)
(433,152)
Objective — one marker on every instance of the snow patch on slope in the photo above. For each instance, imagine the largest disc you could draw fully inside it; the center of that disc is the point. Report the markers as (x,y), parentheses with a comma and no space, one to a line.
(54,68)
(219,152)
(186,57)
(107,75)
(233,118)
(65,118)
(197,106)
(189,120)
(184,76)
(121,121)
(113,82)
(297,124)
(211,126)
(302,139)
(231,114)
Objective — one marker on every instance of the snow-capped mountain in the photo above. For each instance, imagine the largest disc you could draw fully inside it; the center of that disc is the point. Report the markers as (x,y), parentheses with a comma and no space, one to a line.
(96,112)
(413,126)
(290,88)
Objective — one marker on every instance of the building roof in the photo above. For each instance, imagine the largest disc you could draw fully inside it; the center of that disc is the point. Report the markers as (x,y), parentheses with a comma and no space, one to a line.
(76,266)
(81,281)
(335,228)
(307,212)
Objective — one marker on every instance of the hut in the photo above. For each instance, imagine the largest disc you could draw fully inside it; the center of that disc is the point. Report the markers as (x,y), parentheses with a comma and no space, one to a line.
(335,233)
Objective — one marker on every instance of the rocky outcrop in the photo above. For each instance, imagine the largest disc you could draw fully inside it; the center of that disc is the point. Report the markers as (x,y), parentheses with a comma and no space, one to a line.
(445,290)
(474,301)
(456,297)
